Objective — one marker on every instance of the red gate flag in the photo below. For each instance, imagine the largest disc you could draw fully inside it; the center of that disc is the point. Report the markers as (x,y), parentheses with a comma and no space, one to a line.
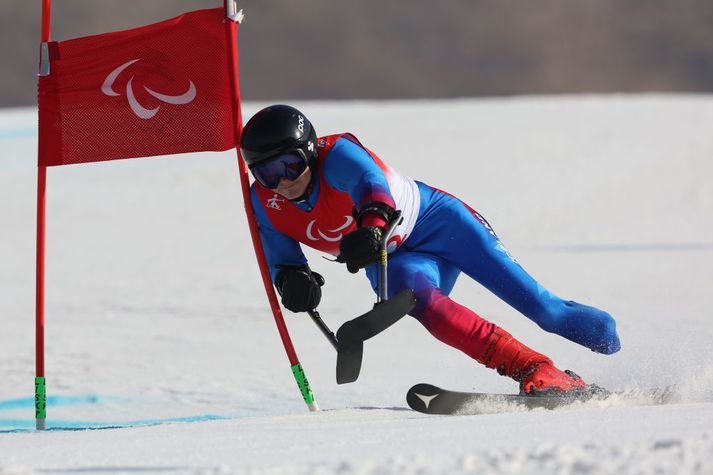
(155,90)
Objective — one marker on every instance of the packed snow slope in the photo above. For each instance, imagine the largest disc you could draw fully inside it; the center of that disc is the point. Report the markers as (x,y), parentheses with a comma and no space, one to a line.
(159,332)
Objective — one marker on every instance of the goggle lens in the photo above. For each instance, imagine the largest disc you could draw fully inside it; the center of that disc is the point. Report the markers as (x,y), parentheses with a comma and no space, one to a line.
(288,165)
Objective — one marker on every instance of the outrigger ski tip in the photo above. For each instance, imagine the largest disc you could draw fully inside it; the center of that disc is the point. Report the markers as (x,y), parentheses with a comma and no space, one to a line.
(352,334)
(431,399)
(349,340)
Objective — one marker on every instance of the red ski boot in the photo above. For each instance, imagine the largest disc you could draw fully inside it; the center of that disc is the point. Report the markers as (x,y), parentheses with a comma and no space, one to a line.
(545,378)
(535,372)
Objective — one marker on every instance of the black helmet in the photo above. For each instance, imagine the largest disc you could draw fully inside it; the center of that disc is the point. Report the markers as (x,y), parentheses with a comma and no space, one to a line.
(276,130)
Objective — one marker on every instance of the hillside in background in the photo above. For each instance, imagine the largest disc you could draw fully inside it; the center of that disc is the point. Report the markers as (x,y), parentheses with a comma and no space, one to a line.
(373,49)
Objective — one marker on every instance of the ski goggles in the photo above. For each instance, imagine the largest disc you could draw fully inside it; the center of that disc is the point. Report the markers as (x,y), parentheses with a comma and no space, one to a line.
(287,165)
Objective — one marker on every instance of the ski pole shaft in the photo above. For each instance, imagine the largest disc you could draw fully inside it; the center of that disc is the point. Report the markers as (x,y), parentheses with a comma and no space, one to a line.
(383,284)
(383,258)
(317,319)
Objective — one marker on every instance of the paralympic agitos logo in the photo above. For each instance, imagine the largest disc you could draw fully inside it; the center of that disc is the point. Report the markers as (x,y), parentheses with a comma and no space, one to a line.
(332,236)
(136,107)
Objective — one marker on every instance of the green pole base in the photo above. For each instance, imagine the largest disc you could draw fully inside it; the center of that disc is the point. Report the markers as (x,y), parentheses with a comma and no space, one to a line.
(40,403)
(305,389)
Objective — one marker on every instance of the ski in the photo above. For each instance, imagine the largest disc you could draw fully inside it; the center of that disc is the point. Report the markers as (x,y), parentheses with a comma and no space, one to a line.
(430,399)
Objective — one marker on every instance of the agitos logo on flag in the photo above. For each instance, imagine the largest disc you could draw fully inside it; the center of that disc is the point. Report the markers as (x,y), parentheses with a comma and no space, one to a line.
(138,109)
(155,90)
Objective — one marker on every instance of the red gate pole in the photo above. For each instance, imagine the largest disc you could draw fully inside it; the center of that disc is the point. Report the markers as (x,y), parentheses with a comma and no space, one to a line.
(40,395)
(233,17)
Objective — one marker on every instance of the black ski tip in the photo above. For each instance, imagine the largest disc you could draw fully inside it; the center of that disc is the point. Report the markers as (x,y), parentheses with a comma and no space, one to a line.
(349,362)
(421,396)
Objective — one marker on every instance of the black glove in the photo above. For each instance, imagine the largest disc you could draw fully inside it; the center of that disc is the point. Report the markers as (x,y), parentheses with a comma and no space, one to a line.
(299,288)
(361,247)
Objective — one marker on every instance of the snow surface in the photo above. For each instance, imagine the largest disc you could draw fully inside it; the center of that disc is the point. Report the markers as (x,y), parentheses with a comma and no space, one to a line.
(155,311)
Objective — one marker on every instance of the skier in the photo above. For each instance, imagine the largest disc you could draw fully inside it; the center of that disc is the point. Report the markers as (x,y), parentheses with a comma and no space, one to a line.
(335,195)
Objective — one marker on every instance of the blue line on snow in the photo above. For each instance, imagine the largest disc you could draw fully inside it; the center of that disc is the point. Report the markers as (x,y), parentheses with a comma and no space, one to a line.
(9,426)
(56,401)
